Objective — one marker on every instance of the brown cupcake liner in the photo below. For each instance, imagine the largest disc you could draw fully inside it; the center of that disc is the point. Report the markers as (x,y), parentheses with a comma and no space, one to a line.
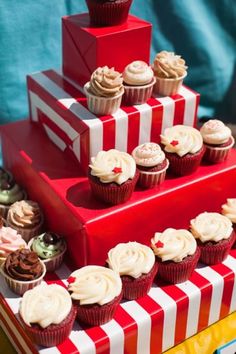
(135,288)
(153,178)
(216,252)
(29,233)
(54,334)
(184,165)
(108,13)
(168,87)
(18,286)
(138,94)
(178,272)
(96,315)
(113,193)
(216,154)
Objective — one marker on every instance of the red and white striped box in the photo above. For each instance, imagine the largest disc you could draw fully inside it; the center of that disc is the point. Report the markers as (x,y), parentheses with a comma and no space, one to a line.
(152,324)
(60,107)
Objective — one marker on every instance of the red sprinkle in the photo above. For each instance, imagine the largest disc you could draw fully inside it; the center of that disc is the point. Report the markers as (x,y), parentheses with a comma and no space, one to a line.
(117,170)
(174,142)
(159,244)
(71,280)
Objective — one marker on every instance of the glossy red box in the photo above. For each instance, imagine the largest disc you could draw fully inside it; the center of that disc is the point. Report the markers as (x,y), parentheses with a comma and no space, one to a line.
(84,48)
(92,228)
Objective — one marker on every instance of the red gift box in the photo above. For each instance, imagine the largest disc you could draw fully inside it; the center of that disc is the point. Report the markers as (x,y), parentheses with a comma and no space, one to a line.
(85,48)
(92,228)
(60,107)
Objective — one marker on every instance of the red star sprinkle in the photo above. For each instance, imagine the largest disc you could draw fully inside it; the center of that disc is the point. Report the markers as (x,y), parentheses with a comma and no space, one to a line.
(159,244)
(117,170)
(174,142)
(71,280)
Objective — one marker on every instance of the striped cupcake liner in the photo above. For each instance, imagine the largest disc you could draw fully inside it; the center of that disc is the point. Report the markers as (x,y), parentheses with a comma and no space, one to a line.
(28,233)
(138,94)
(168,87)
(217,154)
(152,179)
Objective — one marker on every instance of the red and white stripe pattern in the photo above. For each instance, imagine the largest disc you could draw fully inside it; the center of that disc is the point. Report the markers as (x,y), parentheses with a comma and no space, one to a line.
(60,106)
(152,324)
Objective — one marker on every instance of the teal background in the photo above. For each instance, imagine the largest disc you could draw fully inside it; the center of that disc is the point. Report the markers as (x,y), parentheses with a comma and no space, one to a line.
(202,31)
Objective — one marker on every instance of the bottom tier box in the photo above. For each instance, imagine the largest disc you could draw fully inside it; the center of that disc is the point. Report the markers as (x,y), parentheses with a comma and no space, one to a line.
(168,315)
(92,228)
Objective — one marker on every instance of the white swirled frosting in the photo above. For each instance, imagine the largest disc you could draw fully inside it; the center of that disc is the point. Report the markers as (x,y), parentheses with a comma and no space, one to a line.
(182,140)
(95,285)
(173,245)
(148,154)
(113,166)
(137,73)
(215,132)
(211,227)
(229,209)
(132,258)
(45,304)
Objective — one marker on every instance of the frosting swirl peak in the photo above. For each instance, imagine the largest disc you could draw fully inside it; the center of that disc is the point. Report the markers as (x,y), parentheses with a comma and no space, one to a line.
(148,155)
(138,73)
(106,82)
(215,132)
(168,65)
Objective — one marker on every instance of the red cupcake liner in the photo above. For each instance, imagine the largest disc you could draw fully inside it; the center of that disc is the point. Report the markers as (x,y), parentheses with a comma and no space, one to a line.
(112,193)
(96,315)
(178,272)
(108,13)
(135,288)
(184,165)
(53,334)
(216,154)
(153,178)
(216,252)
(234,244)
(138,94)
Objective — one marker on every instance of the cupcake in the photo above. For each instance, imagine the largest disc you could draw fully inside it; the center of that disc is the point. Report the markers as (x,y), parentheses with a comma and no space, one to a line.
(135,263)
(104,91)
(138,82)
(23,270)
(214,235)
(108,12)
(47,314)
(113,176)
(50,248)
(26,218)
(218,140)
(170,71)
(151,163)
(183,148)
(10,241)
(10,192)
(97,292)
(176,253)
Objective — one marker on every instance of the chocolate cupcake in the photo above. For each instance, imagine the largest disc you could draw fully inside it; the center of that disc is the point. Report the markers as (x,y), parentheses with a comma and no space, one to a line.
(50,248)
(26,217)
(23,270)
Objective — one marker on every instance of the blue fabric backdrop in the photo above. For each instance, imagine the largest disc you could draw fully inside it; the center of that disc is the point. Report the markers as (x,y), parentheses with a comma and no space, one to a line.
(202,31)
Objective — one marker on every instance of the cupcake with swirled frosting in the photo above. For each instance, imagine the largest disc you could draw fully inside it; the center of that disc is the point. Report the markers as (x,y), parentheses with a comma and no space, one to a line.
(135,263)
(177,254)
(151,163)
(218,140)
(170,71)
(97,292)
(183,146)
(47,314)
(215,236)
(104,91)
(26,217)
(113,176)
(138,82)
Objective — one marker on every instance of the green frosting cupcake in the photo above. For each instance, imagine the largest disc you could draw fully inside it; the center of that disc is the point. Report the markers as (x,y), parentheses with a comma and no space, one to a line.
(48,245)
(10,192)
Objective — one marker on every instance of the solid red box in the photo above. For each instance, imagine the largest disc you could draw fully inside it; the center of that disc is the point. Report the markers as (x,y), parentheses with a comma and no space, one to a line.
(60,107)
(84,47)
(92,228)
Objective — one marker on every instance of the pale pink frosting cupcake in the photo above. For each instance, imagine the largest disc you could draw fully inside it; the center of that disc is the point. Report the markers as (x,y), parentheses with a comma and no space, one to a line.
(10,241)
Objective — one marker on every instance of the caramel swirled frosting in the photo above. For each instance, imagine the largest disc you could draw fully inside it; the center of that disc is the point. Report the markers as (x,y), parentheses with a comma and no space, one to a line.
(148,155)
(211,227)
(113,166)
(215,132)
(10,241)
(132,258)
(25,214)
(106,82)
(45,305)
(168,65)
(182,140)
(229,209)
(23,265)
(173,245)
(138,73)
(94,285)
